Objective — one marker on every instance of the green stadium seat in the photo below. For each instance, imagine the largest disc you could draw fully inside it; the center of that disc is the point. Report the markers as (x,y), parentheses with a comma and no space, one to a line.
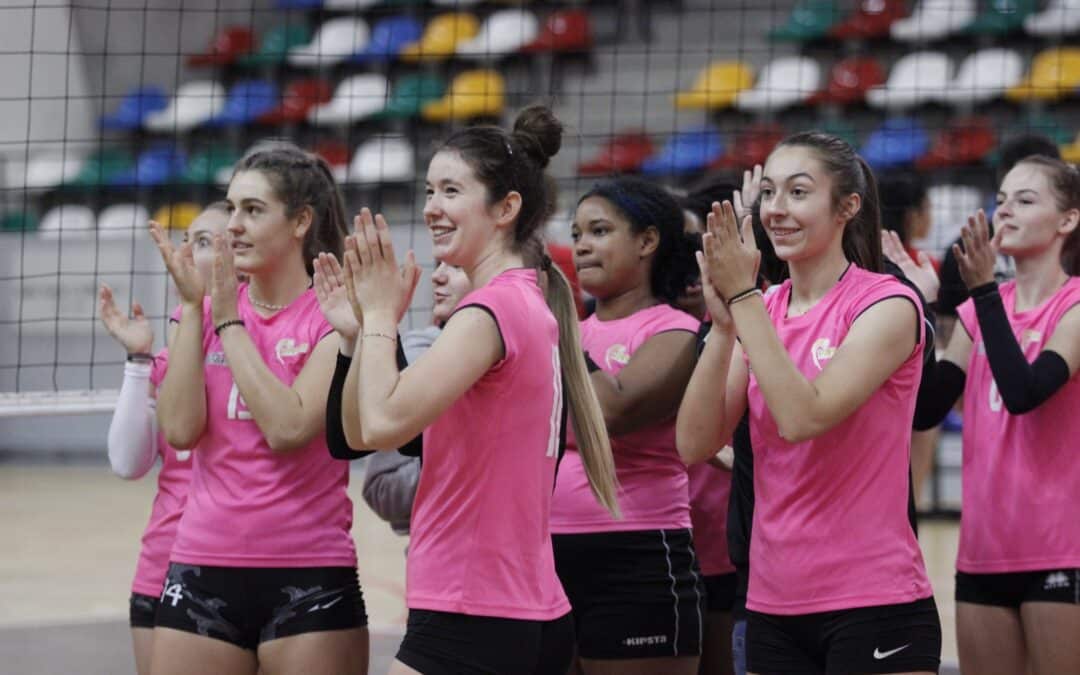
(101,167)
(410,94)
(18,221)
(203,167)
(810,20)
(1002,17)
(276,43)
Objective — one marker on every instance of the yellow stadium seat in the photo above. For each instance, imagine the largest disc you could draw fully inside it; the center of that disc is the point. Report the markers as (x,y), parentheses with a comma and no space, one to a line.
(474,93)
(441,37)
(1071,152)
(716,86)
(1054,74)
(177,216)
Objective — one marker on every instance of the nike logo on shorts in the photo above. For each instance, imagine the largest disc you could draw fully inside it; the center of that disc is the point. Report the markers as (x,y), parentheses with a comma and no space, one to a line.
(327,605)
(878,654)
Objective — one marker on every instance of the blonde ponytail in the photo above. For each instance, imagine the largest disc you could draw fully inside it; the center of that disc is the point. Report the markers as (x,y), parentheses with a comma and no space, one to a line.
(594,446)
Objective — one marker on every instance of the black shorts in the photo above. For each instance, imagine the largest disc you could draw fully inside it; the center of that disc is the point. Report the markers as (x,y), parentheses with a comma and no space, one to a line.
(141,610)
(634,594)
(1013,589)
(445,643)
(719,592)
(247,606)
(883,639)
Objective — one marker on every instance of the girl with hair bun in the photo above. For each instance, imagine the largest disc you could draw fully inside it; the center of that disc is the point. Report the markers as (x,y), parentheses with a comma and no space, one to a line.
(634,582)
(828,365)
(482,591)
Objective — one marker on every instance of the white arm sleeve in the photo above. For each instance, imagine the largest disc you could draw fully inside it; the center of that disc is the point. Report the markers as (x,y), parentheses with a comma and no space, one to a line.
(132,431)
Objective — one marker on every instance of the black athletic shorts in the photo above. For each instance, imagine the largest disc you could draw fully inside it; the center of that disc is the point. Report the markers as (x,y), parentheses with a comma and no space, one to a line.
(719,592)
(1012,589)
(247,606)
(634,594)
(141,610)
(445,643)
(883,639)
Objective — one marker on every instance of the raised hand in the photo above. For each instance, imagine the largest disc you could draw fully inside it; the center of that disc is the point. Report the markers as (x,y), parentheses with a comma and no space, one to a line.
(135,333)
(976,258)
(223,283)
(374,281)
(921,273)
(181,266)
(731,258)
(745,199)
(333,297)
(718,310)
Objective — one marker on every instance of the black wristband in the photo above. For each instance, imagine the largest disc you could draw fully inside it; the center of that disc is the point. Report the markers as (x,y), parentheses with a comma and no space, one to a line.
(225,324)
(742,294)
(589,363)
(141,357)
(984,290)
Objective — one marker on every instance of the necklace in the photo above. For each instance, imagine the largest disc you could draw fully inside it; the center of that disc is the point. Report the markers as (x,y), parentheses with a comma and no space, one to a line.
(267,305)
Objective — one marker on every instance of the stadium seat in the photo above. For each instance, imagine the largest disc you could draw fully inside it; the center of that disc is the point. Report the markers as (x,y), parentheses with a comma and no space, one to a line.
(299,4)
(1071,151)
(247,101)
(871,19)
(809,20)
(349,5)
(336,40)
(1001,17)
(916,78)
(473,93)
(157,165)
(336,154)
(849,80)
(299,98)
(716,86)
(410,94)
(1061,17)
(100,167)
(984,76)
(276,43)
(382,159)
(950,207)
(44,170)
(624,153)
(841,128)
(134,107)
(178,216)
(504,32)
(68,220)
(751,146)
(898,141)
(933,20)
(964,141)
(228,45)
(686,151)
(121,221)
(568,30)
(1034,122)
(441,37)
(19,221)
(388,37)
(785,81)
(203,167)
(194,103)
(1055,73)
(354,99)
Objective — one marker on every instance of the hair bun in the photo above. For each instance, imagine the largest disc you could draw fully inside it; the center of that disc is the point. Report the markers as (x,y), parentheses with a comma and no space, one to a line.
(538,132)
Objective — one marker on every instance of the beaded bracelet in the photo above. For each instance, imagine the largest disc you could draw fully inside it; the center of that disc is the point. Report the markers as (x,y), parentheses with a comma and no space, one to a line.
(225,324)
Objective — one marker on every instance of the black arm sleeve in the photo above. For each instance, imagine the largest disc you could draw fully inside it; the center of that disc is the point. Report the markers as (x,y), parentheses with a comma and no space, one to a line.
(335,431)
(1023,386)
(940,388)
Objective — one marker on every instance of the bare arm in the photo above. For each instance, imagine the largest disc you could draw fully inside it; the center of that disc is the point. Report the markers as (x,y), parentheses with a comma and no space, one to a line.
(649,388)
(181,398)
(714,401)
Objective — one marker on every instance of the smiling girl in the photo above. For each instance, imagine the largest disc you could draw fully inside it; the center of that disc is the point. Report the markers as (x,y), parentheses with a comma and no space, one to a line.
(263,570)
(828,366)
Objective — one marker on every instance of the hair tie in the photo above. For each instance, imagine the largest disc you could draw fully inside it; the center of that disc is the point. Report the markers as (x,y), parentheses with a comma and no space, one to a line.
(545,263)
(509,150)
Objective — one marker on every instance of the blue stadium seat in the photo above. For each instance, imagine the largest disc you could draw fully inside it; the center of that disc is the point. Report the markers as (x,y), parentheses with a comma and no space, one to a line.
(134,107)
(686,151)
(156,166)
(247,100)
(388,36)
(898,141)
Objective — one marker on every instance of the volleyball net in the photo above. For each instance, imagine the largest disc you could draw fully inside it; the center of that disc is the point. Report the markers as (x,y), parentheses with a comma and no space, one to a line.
(118,112)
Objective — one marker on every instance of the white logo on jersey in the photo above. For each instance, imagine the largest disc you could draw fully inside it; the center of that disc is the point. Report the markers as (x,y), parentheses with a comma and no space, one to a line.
(1055,580)
(183,455)
(287,347)
(215,359)
(821,351)
(618,354)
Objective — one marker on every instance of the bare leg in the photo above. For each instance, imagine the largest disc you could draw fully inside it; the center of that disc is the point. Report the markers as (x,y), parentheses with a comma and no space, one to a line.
(179,653)
(331,651)
(990,639)
(142,639)
(1052,631)
(716,656)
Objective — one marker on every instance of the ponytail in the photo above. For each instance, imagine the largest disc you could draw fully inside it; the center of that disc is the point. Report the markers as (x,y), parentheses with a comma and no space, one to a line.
(594,446)
(862,236)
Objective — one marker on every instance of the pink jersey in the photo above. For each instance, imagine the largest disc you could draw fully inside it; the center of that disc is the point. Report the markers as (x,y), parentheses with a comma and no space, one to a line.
(480,538)
(831,528)
(710,488)
(652,478)
(1021,472)
(250,506)
(172,488)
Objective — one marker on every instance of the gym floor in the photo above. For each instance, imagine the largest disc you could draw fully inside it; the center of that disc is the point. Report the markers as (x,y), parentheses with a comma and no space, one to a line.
(71,533)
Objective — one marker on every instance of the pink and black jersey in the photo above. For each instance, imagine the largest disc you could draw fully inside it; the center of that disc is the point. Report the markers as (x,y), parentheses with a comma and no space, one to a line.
(652,478)
(831,528)
(173,480)
(250,506)
(710,489)
(481,543)
(1021,475)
